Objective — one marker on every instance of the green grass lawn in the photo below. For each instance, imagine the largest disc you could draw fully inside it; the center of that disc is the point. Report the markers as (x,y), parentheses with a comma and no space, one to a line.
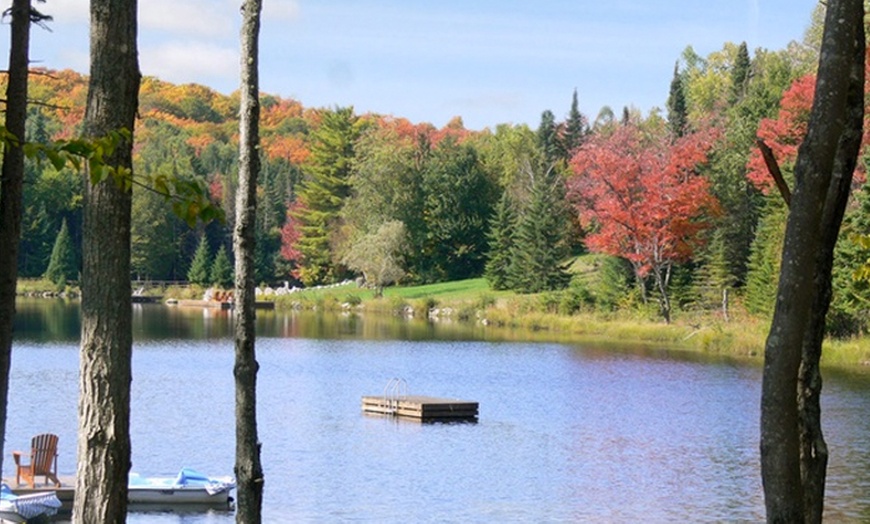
(461,290)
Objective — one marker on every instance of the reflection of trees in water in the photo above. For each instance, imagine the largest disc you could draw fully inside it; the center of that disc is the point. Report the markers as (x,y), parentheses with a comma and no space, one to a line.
(47,319)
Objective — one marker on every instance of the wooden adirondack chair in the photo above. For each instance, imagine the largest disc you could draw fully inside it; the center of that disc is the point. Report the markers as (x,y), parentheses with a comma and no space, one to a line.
(43,461)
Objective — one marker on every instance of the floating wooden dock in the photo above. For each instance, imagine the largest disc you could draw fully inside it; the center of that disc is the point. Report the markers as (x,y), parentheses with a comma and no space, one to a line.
(420,407)
(396,402)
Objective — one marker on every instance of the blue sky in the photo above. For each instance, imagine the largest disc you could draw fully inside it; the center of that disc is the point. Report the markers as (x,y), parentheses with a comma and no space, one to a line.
(487,61)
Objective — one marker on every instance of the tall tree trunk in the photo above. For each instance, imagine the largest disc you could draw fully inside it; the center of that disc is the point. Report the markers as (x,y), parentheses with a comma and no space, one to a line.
(11,182)
(106,346)
(249,471)
(793,450)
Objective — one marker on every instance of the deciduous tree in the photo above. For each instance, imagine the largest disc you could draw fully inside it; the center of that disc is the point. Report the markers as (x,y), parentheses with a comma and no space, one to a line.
(379,255)
(793,450)
(644,200)
(107,338)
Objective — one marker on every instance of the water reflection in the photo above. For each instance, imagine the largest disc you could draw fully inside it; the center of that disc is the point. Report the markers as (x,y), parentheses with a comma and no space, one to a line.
(566,432)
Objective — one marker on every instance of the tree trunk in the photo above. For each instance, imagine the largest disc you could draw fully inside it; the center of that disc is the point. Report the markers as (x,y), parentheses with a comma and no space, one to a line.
(662,285)
(11,191)
(106,346)
(793,450)
(249,471)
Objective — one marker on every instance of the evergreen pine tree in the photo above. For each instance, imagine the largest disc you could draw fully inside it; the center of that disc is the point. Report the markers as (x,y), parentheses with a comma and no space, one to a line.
(548,137)
(765,258)
(540,246)
(222,270)
(324,191)
(849,313)
(501,244)
(626,116)
(457,204)
(712,276)
(615,283)
(677,110)
(740,73)
(575,127)
(62,265)
(198,273)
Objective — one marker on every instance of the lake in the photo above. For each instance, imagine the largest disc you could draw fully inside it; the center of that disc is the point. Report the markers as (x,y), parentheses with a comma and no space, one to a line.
(567,432)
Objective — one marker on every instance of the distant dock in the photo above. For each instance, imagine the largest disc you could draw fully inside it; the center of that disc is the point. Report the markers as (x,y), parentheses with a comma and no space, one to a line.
(217,305)
(421,408)
(143,299)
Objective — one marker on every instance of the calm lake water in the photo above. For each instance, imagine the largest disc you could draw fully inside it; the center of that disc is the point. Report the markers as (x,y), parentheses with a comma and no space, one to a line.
(566,433)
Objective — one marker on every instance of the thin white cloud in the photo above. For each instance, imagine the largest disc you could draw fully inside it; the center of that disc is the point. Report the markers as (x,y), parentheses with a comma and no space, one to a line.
(184,62)
(191,18)
(65,11)
(280,10)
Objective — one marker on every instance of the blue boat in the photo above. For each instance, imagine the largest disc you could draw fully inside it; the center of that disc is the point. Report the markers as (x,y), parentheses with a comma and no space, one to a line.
(188,487)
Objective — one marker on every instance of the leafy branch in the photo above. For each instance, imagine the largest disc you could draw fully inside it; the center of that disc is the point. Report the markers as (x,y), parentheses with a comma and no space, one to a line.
(189,198)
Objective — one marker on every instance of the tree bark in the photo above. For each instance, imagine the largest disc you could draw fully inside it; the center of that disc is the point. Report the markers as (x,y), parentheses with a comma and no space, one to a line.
(106,346)
(793,450)
(11,191)
(248,469)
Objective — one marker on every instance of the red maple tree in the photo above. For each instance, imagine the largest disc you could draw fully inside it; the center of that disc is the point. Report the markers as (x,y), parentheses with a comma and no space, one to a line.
(642,199)
(783,134)
(290,234)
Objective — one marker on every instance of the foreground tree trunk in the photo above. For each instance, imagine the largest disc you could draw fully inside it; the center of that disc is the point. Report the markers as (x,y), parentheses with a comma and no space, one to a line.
(11,190)
(793,450)
(249,471)
(106,346)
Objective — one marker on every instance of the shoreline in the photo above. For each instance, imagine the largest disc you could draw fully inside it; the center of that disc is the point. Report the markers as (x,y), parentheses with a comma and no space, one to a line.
(743,337)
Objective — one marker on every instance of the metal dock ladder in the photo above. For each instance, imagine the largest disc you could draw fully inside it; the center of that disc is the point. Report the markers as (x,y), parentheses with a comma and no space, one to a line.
(394,391)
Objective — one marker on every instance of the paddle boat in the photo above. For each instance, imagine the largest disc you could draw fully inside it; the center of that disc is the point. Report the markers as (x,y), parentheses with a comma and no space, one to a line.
(21,508)
(188,487)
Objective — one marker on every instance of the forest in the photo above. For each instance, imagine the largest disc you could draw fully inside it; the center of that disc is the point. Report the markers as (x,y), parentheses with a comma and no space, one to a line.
(675,210)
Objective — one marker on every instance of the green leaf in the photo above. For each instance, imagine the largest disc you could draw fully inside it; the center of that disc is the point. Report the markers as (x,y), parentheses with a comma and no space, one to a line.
(55,158)
(31,150)
(161,185)
(98,171)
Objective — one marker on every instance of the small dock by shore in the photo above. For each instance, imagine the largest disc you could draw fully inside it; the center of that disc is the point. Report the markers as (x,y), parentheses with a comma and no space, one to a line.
(65,492)
(145,299)
(214,304)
